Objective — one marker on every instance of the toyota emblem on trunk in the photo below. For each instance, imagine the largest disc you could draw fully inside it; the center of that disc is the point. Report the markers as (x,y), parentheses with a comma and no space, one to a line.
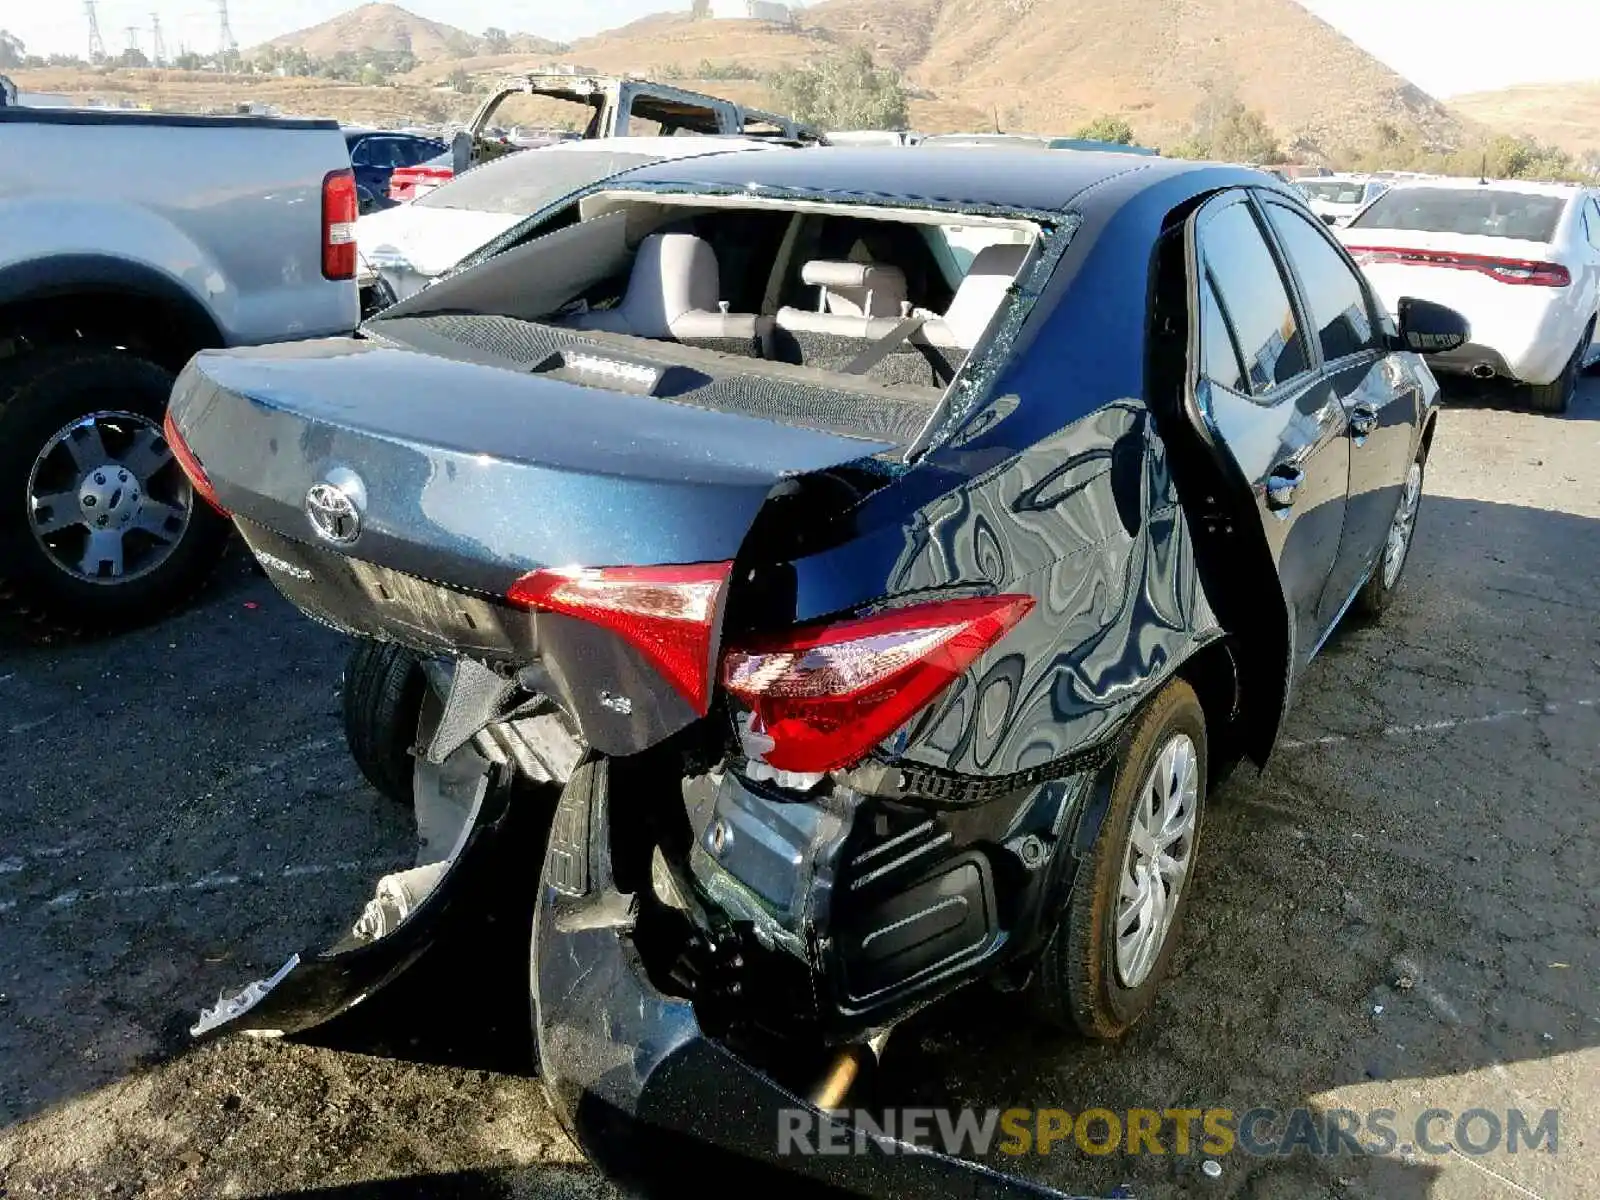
(334,508)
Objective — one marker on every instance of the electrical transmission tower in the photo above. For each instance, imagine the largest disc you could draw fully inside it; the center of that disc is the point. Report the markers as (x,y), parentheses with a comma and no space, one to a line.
(133,38)
(97,45)
(227,44)
(158,45)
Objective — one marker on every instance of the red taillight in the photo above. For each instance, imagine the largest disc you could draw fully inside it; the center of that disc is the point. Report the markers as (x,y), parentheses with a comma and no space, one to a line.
(666,613)
(824,697)
(340,208)
(1526,272)
(406,182)
(198,479)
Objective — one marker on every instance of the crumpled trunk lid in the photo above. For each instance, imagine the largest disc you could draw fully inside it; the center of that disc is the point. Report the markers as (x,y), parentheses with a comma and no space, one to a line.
(452,480)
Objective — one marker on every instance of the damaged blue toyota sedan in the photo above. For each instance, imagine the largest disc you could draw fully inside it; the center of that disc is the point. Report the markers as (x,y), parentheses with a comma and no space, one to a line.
(857,564)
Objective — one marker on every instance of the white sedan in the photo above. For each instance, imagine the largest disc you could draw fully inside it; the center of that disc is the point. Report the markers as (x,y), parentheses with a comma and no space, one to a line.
(401,250)
(1521,261)
(1338,198)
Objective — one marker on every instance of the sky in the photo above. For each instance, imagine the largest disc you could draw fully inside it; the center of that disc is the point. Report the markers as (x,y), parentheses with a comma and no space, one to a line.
(1445,46)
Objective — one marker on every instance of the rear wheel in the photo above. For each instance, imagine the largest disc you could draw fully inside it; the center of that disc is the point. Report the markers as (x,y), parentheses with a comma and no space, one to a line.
(383,692)
(1555,398)
(1117,936)
(99,529)
(1375,596)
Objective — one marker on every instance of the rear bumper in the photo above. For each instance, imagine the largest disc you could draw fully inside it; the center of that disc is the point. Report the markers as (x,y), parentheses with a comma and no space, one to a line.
(636,1081)
(1524,334)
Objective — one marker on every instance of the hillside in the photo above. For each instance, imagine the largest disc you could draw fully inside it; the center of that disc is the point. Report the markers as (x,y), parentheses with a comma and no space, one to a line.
(1563,114)
(1030,65)
(1047,65)
(390,28)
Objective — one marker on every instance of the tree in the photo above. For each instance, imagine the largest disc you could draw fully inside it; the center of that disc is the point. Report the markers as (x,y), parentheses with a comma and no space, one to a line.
(461,82)
(699,9)
(12,51)
(1107,128)
(1223,128)
(846,91)
(496,40)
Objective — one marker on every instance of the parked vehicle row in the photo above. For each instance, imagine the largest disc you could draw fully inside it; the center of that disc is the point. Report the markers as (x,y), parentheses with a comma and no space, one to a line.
(376,154)
(1337,198)
(866,588)
(617,107)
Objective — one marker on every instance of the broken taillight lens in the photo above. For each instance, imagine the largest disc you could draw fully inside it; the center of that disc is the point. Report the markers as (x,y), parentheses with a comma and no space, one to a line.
(198,479)
(668,614)
(825,696)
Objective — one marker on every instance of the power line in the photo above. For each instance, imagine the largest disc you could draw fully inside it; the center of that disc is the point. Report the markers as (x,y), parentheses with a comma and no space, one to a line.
(97,46)
(227,44)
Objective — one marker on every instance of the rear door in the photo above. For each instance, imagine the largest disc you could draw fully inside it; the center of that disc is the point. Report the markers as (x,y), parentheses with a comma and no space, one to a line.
(1264,406)
(1379,402)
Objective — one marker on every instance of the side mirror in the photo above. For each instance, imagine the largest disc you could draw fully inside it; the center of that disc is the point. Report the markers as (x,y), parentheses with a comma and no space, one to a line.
(1430,328)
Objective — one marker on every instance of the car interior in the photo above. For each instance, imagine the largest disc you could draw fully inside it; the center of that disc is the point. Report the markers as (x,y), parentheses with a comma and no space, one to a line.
(820,298)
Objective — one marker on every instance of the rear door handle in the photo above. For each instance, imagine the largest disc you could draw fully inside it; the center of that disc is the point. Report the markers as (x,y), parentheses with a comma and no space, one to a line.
(1282,485)
(1363,421)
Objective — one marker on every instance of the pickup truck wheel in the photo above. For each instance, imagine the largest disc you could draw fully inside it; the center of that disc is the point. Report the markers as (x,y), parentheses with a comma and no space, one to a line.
(1374,598)
(99,529)
(1112,947)
(382,694)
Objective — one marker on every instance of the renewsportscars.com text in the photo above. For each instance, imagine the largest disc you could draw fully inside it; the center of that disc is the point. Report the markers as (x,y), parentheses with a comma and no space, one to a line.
(1216,1132)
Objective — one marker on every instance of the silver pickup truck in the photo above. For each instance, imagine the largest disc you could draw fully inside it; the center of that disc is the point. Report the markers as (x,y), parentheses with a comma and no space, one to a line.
(129,241)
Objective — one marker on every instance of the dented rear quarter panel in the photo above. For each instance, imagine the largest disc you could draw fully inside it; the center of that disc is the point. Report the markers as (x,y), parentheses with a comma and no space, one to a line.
(1057,485)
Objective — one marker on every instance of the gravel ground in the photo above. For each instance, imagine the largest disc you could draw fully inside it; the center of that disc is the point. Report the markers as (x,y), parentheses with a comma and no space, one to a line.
(1401,912)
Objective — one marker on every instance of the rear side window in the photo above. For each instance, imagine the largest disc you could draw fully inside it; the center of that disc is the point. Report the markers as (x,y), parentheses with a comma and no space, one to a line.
(1592,213)
(1252,293)
(1333,293)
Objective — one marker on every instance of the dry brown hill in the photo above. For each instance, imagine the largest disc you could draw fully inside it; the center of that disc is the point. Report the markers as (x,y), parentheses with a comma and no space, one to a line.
(1048,65)
(388,27)
(1563,114)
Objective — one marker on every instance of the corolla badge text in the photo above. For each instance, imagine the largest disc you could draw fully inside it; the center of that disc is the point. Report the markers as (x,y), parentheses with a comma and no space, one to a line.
(334,507)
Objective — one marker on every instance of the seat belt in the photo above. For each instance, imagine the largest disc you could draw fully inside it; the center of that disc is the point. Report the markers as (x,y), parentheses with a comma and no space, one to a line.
(886,345)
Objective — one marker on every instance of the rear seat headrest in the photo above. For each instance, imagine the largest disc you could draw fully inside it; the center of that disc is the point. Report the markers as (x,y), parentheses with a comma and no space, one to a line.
(823,273)
(855,289)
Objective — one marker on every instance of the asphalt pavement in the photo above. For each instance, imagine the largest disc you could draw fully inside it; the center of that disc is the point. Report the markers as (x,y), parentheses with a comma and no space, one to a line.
(1400,913)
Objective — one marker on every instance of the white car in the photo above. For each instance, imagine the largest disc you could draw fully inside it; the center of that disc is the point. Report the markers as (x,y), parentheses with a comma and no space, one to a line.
(403,249)
(1337,198)
(1521,261)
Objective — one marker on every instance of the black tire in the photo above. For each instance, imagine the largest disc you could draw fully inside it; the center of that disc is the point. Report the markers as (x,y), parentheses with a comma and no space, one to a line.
(1377,594)
(1556,398)
(1078,984)
(382,693)
(41,393)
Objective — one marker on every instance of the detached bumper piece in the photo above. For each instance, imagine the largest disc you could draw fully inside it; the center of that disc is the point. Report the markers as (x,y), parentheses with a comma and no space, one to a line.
(637,1082)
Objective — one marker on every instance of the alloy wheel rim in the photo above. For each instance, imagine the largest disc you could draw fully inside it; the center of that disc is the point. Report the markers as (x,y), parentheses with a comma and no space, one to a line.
(1405,519)
(107,501)
(1155,866)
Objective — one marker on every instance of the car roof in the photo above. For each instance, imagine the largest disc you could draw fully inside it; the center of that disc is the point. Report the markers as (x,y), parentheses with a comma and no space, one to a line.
(1467,182)
(949,175)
